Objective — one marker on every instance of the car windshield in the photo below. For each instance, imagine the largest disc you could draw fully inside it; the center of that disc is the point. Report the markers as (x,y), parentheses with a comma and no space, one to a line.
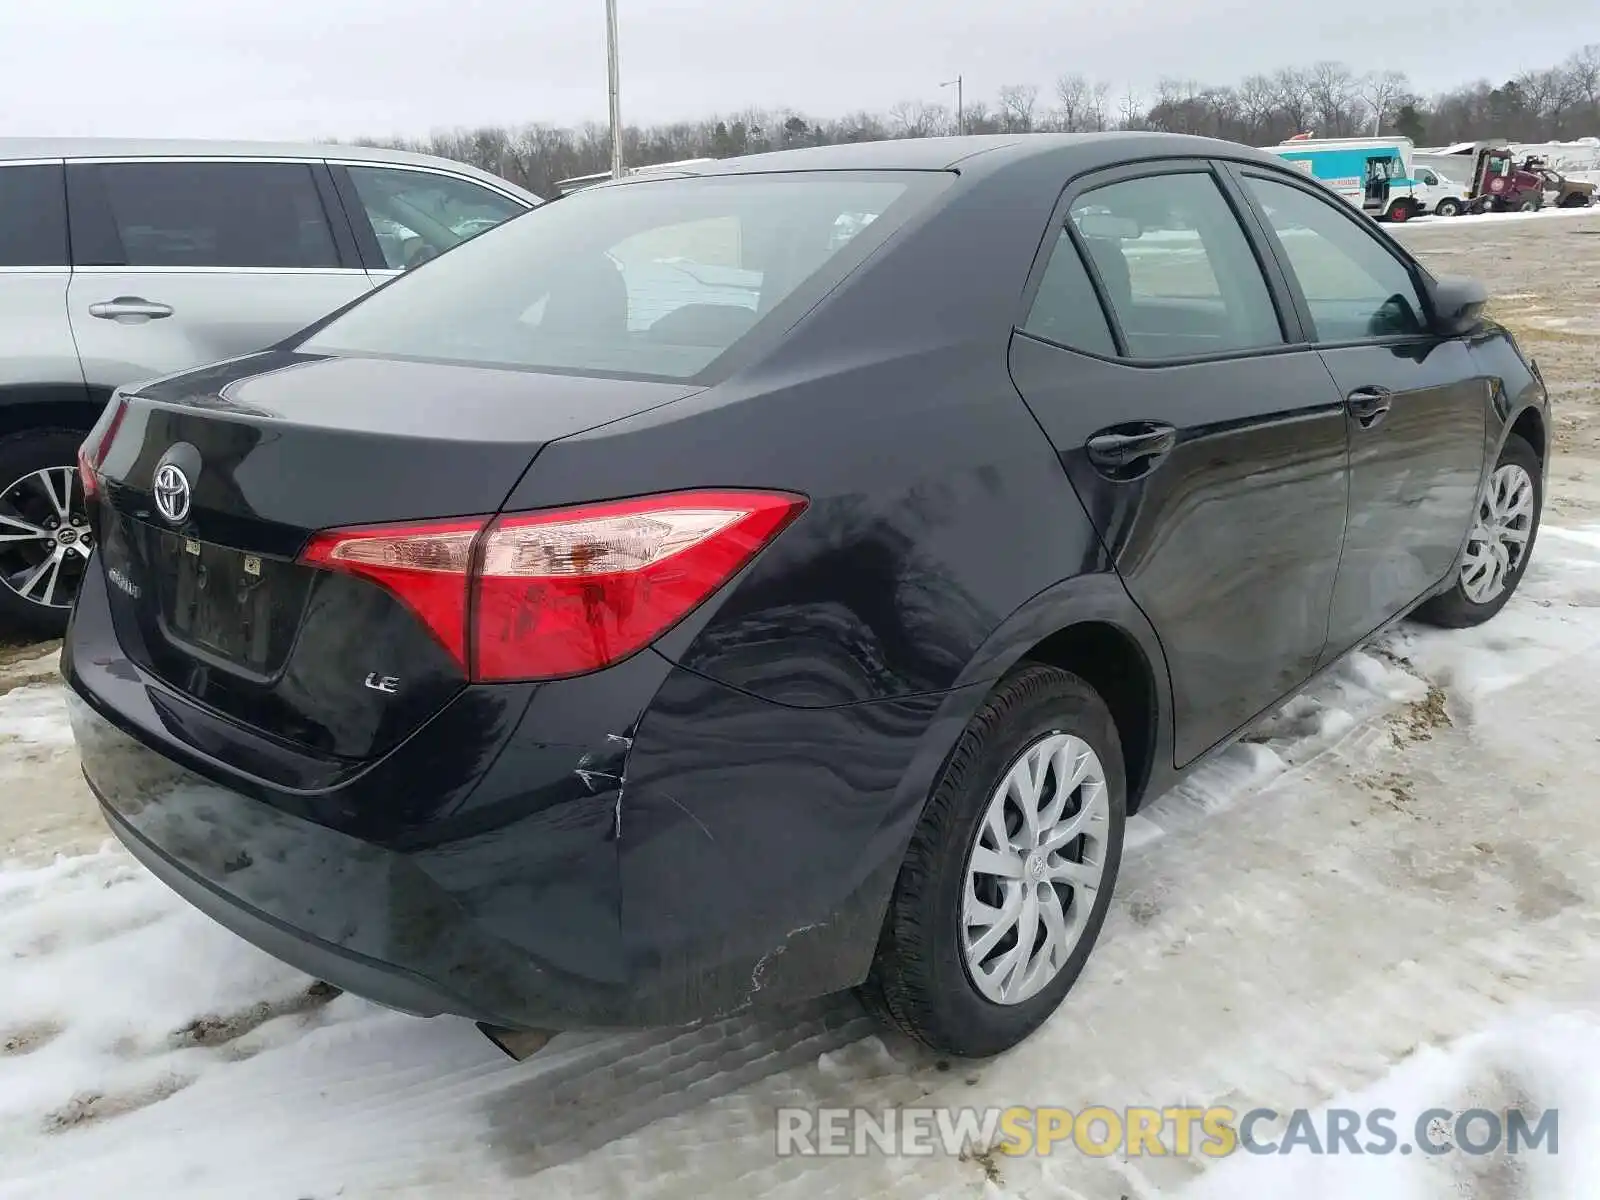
(655,280)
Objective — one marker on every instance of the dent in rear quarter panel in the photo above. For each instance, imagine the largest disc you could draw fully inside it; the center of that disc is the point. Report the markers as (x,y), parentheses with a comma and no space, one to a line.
(936,509)
(759,842)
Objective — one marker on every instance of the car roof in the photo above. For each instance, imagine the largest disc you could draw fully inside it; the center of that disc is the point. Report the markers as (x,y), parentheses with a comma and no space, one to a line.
(17,149)
(973,154)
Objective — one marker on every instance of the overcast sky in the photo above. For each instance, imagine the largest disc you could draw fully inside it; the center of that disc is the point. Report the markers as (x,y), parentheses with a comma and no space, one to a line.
(307,68)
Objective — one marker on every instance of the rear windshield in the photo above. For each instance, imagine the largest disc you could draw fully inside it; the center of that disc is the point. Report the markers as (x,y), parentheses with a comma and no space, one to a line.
(655,280)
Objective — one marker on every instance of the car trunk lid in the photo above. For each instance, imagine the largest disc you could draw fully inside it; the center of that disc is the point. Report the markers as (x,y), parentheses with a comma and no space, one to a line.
(215,480)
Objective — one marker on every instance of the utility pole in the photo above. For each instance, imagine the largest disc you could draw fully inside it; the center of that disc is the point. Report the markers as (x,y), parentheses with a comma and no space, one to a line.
(961,116)
(616,98)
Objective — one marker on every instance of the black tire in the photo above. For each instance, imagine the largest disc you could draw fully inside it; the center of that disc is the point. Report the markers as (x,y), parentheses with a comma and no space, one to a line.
(21,455)
(1400,212)
(1454,609)
(919,979)
(1447,207)
(1529,204)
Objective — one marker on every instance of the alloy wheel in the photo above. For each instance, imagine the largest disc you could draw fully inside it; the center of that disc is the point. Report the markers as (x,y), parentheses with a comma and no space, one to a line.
(1499,538)
(1035,864)
(45,538)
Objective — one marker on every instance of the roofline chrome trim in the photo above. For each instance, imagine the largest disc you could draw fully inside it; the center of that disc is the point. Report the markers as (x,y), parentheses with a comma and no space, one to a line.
(102,269)
(493,184)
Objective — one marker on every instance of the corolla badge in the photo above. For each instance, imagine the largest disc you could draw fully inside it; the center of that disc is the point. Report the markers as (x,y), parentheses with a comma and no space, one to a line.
(171,492)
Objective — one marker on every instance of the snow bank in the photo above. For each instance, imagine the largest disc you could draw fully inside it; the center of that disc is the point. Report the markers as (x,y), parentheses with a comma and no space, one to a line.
(1534,1062)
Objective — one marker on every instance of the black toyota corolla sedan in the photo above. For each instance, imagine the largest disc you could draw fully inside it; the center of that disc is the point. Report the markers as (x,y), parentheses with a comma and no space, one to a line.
(780,577)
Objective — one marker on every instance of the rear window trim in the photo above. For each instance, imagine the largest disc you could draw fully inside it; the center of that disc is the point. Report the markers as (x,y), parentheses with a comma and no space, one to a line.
(769,331)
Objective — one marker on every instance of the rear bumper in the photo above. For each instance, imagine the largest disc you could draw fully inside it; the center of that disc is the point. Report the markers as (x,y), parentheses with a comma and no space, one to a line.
(367,919)
(381,982)
(638,847)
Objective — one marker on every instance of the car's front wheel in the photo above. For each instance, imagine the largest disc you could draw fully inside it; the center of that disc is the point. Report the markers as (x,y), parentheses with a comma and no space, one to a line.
(44,534)
(1010,871)
(1448,208)
(1500,543)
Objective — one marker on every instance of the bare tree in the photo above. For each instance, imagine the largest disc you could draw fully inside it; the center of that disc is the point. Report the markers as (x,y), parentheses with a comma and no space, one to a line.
(1131,113)
(1081,104)
(1557,102)
(1379,90)
(1583,72)
(1258,106)
(917,118)
(1332,90)
(1072,101)
(1293,87)
(1017,101)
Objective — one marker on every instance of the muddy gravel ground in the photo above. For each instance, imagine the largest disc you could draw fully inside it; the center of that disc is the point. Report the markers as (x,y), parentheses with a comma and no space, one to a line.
(1544,272)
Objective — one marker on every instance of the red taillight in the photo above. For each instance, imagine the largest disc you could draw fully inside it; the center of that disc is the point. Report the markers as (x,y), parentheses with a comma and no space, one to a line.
(92,453)
(566,591)
(425,563)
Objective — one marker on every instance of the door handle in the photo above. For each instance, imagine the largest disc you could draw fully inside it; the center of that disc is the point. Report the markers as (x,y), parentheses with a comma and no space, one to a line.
(1122,447)
(1368,405)
(130,309)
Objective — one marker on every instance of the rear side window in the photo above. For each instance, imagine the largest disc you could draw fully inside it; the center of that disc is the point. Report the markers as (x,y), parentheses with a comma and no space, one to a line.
(655,279)
(1353,286)
(1066,310)
(33,216)
(178,214)
(417,214)
(1180,275)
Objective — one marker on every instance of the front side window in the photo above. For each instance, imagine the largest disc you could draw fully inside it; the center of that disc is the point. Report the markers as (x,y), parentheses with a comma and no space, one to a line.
(201,214)
(1354,287)
(653,279)
(418,214)
(33,216)
(1177,269)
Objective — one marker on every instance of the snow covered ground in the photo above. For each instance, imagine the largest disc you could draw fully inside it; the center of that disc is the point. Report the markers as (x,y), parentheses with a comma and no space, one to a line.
(1404,858)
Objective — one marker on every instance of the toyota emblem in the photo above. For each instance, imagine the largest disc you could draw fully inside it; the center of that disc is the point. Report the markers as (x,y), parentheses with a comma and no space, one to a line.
(171,493)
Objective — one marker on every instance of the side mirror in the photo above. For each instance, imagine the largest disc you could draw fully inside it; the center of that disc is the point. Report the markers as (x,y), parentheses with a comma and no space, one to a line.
(1457,303)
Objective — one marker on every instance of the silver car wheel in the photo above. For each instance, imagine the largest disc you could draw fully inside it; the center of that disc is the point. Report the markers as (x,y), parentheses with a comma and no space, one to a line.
(1034,867)
(44,536)
(1499,538)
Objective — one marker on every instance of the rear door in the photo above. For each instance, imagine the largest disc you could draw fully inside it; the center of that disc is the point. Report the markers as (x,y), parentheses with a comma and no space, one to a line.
(1202,434)
(1416,403)
(183,262)
(403,216)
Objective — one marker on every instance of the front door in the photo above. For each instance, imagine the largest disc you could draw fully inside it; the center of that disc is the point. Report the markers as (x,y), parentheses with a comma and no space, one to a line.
(1377,191)
(180,263)
(1416,406)
(1206,444)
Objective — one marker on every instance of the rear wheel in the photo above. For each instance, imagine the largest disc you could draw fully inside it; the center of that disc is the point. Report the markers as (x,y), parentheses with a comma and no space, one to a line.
(1528,204)
(1010,872)
(44,531)
(1499,545)
(1400,211)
